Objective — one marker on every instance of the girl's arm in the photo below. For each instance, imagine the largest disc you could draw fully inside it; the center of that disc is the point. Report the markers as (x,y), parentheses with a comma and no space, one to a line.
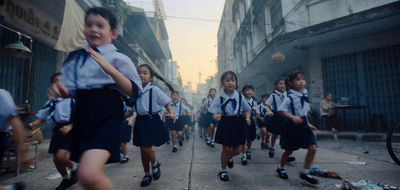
(217,117)
(37,122)
(247,116)
(130,122)
(311,126)
(296,120)
(269,112)
(171,111)
(124,83)
(127,114)
(64,130)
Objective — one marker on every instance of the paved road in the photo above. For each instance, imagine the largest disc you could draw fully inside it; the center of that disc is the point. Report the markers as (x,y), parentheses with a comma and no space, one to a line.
(195,166)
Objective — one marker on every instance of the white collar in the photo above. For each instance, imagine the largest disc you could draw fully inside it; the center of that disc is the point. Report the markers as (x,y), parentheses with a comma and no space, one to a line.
(146,88)
(280,93)
(226,97)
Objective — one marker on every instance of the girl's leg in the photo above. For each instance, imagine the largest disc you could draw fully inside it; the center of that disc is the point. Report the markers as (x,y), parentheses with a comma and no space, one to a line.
(145,159)
(210,131)
(124,148)
(61,161)
(248,144)
(273,140)
(91,170)
(264,135)
(312,150)
(284,158)
(180,134)
(225,154)
(236,150)
(173,137)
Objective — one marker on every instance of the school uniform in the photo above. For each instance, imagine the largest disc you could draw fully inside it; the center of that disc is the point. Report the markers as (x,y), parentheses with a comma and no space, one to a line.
(208,116)
(250,131)
(7,110)
(274,123)
(230,131)
(202,121)
(296,136)
(99,107)
(149,130)
(186,119)
(179,109)
(57,112)
(262,112)
(126,129)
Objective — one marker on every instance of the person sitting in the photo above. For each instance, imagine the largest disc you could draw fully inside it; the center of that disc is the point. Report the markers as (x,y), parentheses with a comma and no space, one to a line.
(326,110)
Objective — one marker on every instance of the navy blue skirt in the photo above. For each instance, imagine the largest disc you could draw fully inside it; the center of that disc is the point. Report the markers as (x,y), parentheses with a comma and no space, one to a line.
(209,120)
(177,126)
(230,131)
(149,131)
(59,141)
(185,119)
(262,124)
(97,125)
(202,121)
(250,131)
(275,123)
(295,136)
(126,132)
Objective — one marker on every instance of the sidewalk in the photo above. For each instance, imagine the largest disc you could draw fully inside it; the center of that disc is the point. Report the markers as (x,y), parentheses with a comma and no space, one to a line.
(354,136)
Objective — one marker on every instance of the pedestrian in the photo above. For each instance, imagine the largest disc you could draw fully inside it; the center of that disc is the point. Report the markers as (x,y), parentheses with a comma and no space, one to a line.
(176,127)
(231,111)
(326,111)
(11,122)
(297,130)
(261,121)
(149,130)
(186,118)
(249,131)
(126,128)
(97,84)
(58,112)
(201,118)
(209,122)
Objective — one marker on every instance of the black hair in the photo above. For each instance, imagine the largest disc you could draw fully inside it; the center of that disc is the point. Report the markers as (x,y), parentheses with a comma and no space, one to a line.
(247,86)
(277,81)
(154,74)
(211,89)
(105,13)
(54,76)
(227,74)
(327,94)
(292,76)
(265,95)
(184,100)
(175,92)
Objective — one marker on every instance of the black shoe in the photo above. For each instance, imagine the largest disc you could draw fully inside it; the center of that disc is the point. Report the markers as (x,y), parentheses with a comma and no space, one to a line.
(174,149)
(124,160)
(65,183)
(74,176)
(208,143)
(308,178)
(266,146)
(223,176)
(230,162)
(187,137)
(212,144)
(291,159)
(157,174)
(180,142)
(262,146)
(248,154)
(258,136)
(271,152)
(168,142)
(145,181)
(282,173)
(244,161)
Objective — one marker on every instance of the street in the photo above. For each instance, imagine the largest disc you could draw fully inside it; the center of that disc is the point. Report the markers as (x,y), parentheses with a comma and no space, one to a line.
(195,166)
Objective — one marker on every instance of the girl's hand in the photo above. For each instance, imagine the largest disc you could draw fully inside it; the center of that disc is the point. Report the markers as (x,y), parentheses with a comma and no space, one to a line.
(104,64)
(270,114)
(248,122)
(64,130)
(254,109)
(312,127)
(297,120)
(57,90)
(217,117)
(262,119)
(172,116)
(32,125)
(130,122)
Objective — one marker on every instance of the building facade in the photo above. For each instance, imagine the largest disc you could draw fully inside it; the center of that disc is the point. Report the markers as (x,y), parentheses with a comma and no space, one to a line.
(349,48)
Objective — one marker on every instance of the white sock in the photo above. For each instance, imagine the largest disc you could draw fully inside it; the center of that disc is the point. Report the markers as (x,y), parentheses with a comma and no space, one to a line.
(147,173)
(223,170)
(175,146)
(244,155)
(74,166)
(305,171)
(155,170)
(281,167)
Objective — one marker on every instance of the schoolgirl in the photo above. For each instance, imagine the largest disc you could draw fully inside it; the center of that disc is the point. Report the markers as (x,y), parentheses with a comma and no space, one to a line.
(186,118)
(231,110)
(210,123)
(201,118)
(177,126)
(126,128)
(149,130)
(104,76)
(262,116)
(297,131)
(249,131)
(58,112)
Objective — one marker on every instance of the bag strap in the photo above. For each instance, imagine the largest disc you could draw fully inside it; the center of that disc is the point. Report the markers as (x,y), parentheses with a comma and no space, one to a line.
(291,104)
(273,98)
(151,102)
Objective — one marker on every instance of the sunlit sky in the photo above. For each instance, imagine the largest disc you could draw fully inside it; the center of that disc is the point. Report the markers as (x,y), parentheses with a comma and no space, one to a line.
(192,27)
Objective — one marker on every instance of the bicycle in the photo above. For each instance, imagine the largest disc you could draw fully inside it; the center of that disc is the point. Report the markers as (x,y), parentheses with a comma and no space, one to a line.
(393,142)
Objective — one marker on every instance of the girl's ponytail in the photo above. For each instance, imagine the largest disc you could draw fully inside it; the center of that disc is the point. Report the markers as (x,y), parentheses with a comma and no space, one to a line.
(166,83)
